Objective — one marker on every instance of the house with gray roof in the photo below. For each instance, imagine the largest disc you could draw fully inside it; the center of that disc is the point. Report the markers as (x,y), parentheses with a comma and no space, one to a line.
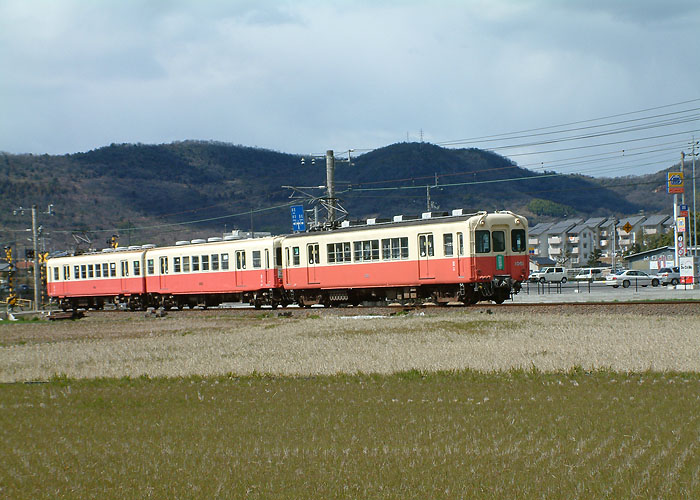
(557,239)
(536,243)
(626,238)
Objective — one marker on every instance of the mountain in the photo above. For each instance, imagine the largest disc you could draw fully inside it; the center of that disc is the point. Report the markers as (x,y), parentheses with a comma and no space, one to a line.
(160,193)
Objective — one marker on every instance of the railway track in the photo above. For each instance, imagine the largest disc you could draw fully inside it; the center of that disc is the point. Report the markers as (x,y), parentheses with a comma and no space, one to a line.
(645,308)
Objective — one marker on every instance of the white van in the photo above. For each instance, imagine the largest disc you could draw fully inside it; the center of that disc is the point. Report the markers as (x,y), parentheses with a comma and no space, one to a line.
(589,274)
(549,274)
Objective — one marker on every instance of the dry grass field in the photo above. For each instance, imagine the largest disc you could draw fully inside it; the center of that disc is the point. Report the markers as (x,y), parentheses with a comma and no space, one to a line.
(312,343)
(517,403)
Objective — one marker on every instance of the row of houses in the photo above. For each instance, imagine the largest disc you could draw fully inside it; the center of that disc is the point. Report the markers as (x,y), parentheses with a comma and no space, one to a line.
(573,242)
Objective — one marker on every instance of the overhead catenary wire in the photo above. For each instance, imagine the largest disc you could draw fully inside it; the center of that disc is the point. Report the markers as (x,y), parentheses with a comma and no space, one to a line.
(594,164)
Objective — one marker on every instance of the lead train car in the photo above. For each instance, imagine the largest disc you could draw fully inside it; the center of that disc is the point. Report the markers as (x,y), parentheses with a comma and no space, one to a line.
(464,258)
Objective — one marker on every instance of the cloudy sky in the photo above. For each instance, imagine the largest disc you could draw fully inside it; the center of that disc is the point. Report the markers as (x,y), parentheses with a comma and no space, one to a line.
(558,82)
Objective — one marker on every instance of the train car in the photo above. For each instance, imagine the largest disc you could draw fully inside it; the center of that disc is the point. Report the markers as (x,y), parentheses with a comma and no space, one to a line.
(464,257)
(208,273)
(89,280)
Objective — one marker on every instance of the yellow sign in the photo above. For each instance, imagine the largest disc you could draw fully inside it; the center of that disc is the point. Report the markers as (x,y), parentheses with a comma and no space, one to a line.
(627,227)
(675,182)
(680,224)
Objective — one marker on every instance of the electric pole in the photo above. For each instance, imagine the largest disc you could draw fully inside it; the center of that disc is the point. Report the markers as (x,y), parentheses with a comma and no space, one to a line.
(330,185)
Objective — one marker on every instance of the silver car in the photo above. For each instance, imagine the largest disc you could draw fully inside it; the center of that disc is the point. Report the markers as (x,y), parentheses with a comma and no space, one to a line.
(669,275)
(628,277)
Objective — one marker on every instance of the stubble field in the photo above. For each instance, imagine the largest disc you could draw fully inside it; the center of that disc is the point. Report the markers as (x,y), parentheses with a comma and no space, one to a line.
(526,403)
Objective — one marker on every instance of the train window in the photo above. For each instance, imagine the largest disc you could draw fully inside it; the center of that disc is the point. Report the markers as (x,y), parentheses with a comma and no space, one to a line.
(113,269)
(256,259)
(124,268)
(91,271)
(240,259)
(517,239)
(395,248)
(150,267)
(176,264)
(295,255)
(205,262)
(339,252)
(357,246)
(314,253)
(195,263)
(215,262)
(163,265)
(447,241)
(366,250)
(186,264)
(55,274)
(278,256)
(76,272)
(224,261)
(499,241)
(460,243)
(83,271)
(426,245)
(137,268)
(267,259)
(105,270)
(287,252)
(66,273)
(98,271)
(483,241)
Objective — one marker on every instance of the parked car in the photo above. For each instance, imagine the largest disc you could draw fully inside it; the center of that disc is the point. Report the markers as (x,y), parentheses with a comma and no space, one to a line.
(627,277)
(549,274)
(589,274)
(668,275)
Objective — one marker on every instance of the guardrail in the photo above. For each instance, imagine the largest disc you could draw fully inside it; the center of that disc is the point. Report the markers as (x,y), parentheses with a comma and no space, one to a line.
(579,286)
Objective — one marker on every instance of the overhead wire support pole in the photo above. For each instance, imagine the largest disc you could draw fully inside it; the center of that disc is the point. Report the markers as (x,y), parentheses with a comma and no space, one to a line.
(35,245)
(695,210)
(330,186)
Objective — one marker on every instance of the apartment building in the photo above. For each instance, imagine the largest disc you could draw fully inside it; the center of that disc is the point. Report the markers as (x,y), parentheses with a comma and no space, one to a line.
(573,242)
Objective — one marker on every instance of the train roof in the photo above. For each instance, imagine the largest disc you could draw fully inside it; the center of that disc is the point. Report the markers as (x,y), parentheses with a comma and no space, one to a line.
(403,221)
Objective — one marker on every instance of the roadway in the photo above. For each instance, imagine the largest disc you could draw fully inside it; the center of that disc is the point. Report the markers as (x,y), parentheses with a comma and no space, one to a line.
(599,292)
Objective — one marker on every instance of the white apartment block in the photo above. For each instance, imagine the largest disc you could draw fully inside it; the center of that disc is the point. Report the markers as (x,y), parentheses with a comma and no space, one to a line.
(572,242)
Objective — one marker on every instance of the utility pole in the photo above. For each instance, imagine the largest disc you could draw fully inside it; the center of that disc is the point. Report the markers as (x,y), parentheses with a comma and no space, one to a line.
(36,259)
(695,210)
(35,246)
(330,185)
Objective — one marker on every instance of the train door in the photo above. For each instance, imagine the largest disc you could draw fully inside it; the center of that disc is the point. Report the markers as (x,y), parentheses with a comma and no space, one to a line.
(313,259)
(498,237)
(426,251)
(61,285)
(124,268)
(461,265)
(240,267)
(268,272)
(163,272)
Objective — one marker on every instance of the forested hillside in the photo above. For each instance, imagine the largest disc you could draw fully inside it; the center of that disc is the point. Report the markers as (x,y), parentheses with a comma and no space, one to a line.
(160,193)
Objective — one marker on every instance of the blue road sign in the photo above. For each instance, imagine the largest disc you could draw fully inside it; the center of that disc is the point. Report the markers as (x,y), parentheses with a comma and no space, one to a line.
(298,223)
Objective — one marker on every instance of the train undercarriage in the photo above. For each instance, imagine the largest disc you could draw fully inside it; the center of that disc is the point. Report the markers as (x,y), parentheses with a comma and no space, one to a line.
(498,291)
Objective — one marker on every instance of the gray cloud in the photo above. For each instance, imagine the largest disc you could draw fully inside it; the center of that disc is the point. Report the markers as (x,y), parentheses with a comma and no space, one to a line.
(305,76)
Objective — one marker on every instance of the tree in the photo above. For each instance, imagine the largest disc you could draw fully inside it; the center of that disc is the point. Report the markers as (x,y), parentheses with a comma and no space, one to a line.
(593,259)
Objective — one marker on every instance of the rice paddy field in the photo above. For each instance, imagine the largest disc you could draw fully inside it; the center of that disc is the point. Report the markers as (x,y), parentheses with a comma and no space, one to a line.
(434,403)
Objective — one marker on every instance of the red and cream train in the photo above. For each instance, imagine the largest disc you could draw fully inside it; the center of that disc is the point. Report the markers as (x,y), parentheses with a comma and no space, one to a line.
(462,257)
